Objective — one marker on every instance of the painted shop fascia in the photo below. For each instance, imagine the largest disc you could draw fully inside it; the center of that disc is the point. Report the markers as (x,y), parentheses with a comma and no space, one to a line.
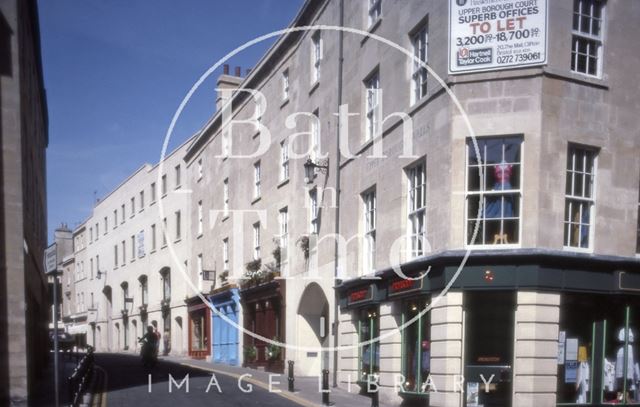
(263,307)
(504,275)
(226,342)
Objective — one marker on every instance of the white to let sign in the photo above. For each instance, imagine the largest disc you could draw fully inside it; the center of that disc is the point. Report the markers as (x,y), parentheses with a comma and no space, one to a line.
(486,35)
(50,259)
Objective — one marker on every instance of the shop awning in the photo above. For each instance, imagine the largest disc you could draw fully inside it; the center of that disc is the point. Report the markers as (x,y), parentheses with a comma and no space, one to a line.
(77,329)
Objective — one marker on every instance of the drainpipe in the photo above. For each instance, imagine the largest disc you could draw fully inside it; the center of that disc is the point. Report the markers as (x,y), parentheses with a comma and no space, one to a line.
(337,214)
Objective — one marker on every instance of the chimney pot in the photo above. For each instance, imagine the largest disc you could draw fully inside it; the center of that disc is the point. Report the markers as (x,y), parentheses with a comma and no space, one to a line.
(225,69)
(238,71)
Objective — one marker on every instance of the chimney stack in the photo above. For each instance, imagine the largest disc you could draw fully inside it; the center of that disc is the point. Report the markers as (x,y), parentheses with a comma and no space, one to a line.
(227,82)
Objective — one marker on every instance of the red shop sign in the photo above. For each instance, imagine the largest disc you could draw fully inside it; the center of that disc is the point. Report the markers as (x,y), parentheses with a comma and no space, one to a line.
(404,285)
(359,295)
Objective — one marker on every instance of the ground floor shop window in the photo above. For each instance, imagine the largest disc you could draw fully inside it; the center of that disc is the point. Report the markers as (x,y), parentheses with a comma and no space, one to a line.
(198,331)
(598,357)
(489,319)
(369,330)
(416,346)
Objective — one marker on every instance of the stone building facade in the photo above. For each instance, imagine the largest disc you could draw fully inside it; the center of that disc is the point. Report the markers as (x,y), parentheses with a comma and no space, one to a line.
(307,212)
(24,308)
(130,265)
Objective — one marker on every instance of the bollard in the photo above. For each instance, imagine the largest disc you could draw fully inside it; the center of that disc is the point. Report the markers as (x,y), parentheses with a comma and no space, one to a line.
(290,378)
(325,387)
(374,394)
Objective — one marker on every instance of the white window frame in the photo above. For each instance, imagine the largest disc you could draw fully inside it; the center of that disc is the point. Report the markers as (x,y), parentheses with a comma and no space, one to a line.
(284,160)
(420,44)
(416,210)
(133,207)
(588,38)
(163,184)
(154,242)
(256,241)
(314,148)
(369,207)
(285,84)
(200,270)
(480,244)
(200,218)
(374,12)
(141,201)
(153,192)
(106,224)
(314,220)
(178,173)
(372,105)
(582,198)
(256,179)
(124,253)
(316,57)
(165,232)
(225,254)
(225,196)
(283,218)
(178,219)
(133,248)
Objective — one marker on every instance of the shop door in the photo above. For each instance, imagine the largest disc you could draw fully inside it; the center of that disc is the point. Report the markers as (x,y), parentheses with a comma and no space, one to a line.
(489,328)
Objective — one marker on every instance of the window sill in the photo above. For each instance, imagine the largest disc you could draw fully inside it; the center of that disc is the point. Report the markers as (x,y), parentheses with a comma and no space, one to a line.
(177,187)
(152,203)
(256,135)
(256,199)
(225,217)
(132,215)
(588,250)
(199,178)
(507,246)
(141,210)
(178,240)
(199,236)
(283,183)
(152,251)
(600,82)
(372,28)
(164,246)
(163,196)
(284,103)
(314,86)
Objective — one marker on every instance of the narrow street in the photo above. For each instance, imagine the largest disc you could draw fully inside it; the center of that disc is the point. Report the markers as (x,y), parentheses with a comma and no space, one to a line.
(127,385)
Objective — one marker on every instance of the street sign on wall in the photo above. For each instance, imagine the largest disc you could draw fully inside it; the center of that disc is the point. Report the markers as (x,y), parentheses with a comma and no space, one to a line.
(50,259)
(497,34)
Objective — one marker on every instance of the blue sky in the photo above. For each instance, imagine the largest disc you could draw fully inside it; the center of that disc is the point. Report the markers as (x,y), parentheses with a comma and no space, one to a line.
(115,73)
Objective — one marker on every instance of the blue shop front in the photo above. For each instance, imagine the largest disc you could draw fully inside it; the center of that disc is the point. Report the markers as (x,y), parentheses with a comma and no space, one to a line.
(225,346)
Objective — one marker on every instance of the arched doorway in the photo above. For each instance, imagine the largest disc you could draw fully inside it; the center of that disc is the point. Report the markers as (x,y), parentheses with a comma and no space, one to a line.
(313,330)
(178,345)
(134,332)
(108,307)
(165,273)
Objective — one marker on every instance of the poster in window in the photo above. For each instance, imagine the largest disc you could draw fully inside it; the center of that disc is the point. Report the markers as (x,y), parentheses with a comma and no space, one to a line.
(499,34)
(571,371)
(561,347)
(473,390)
(571,349)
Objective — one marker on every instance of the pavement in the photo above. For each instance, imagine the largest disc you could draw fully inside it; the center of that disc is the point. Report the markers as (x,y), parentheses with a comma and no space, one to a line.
(174,383)
(44,392)
(307,390)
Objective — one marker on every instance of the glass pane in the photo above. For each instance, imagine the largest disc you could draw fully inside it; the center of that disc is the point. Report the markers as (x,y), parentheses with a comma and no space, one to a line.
(471,225)
(474,181)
